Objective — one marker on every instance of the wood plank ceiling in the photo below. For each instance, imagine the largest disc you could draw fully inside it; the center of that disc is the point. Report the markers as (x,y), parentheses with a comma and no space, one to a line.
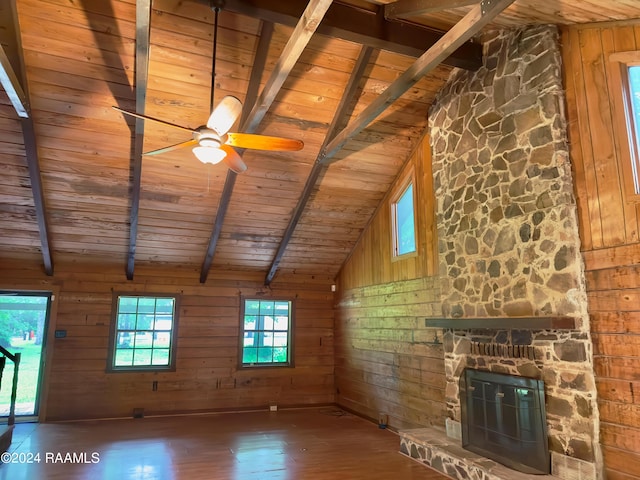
(78,189)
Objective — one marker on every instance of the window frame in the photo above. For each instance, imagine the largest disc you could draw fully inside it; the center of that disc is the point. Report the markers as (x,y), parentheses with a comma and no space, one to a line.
(290,334)
(113,330)
(398,193)
(627,142)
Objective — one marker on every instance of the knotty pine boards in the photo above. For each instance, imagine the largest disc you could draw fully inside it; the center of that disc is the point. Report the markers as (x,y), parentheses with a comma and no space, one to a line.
(85,145)
(207,377)
(608,224)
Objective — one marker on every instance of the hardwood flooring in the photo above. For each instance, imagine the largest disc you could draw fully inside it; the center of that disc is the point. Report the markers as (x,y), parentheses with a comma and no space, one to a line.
(305,444)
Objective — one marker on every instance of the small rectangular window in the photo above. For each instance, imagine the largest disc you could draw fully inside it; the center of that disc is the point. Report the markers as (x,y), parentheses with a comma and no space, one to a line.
(403,219)
(633,120)
(143,333)
(266,332)
(625,75)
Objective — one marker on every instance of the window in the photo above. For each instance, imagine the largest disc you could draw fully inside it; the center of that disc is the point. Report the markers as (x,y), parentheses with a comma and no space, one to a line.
(266,333)
(626,80)
(403,219)
(633,119)
(143,333)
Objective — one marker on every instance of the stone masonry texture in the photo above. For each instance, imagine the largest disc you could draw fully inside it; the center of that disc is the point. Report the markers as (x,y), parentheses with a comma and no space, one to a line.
(508,228)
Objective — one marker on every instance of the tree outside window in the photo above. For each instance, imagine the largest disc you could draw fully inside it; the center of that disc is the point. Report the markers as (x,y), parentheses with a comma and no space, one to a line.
(266,332)
(143,333)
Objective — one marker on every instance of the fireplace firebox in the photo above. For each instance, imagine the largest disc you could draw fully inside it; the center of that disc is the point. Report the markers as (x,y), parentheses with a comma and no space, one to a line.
(503,418)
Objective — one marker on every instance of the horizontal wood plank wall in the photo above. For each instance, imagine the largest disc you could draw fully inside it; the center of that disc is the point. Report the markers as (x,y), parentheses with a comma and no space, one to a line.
(206,376)
(386,360)
(609,234)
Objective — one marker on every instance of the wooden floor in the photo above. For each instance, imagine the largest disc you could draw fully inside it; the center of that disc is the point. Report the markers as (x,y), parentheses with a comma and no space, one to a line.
(306,444)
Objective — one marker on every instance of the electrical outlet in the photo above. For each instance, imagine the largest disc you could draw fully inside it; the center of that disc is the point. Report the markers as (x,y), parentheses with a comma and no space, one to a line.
(273,408)
(454,429)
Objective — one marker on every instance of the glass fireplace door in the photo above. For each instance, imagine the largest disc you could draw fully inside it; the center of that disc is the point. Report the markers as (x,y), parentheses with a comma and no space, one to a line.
(503,418)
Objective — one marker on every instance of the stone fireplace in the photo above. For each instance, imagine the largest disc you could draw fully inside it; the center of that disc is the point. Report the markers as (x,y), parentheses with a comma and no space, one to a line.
(512,281)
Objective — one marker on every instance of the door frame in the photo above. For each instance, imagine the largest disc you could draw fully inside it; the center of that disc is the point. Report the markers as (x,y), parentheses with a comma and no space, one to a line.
(46,354)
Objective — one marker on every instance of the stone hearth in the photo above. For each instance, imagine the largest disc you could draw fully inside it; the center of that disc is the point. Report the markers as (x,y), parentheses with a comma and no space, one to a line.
(440,452)
(508,236)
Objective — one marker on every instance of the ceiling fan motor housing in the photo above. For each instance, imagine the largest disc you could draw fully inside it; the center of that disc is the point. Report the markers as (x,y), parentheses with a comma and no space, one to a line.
(207,137)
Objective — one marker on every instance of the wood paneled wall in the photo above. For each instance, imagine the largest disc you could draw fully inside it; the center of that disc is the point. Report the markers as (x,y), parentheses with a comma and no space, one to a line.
(371,262)
(386,360)
(206,376)
(609,235)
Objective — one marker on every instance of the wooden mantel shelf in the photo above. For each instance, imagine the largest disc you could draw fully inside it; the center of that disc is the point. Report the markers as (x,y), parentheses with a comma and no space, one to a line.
(501,323)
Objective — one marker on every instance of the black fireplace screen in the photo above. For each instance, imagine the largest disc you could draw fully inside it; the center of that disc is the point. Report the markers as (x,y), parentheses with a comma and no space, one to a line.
(503,418)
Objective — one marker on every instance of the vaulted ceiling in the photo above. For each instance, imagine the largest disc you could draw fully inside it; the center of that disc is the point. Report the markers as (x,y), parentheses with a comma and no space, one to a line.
(354,86)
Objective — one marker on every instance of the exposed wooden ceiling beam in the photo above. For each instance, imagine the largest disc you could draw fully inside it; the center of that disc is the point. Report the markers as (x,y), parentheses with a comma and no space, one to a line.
(466,28)
(223,206)
(11,85)
(362,26)
(411,8)
(306,26)
(346,103)
(309,21)
(262,54)
(143,25)
(35,177)
(111,43)
(10,27)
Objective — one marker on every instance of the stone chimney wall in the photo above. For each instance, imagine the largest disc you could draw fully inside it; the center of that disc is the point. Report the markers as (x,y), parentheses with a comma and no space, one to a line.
(506,211)
(508,234)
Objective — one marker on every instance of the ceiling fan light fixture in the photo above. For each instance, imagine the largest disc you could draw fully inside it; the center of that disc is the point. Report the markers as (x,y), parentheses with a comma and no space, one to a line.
(209,142)
(209,154)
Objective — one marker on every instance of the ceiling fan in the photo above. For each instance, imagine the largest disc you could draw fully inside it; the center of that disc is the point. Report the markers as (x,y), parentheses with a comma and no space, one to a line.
(212,142)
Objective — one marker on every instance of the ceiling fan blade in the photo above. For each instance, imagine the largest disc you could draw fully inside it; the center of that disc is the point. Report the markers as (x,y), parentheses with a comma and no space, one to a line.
(225,115)
(263,142)
(146,117)
(188,143)
(233,159)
